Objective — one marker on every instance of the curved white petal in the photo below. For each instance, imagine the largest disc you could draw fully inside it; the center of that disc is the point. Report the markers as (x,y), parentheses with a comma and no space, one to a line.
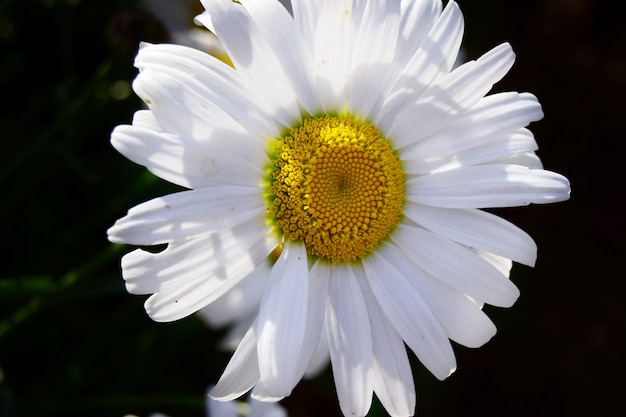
(476,229)
(225,94)
(261,72)
(393,379)
(146,119)
(186,214)
(321,356)
(192,294)
(241,302)
(289,45)
(409,314)
(506,149)
(418,17)
(432,58)
(306,14)
(242,371)
(526,159)
(186,260)
(374,50)
(459,316)
(490,120)
(312,356)
(350,341)
(334,40)
(488,186)
(282,320)
(451,96)
(455,265)
(186,162)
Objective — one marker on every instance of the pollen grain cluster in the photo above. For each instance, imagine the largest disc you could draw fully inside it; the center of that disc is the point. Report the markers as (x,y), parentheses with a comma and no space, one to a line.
(335,184)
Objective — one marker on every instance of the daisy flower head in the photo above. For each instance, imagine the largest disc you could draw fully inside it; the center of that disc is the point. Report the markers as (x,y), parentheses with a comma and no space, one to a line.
(343,163)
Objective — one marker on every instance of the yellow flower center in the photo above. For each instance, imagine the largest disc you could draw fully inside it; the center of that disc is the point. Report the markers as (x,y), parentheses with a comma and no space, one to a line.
(335,184)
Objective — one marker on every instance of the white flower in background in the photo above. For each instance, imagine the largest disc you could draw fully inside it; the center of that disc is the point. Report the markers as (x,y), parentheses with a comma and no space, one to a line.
(250,408)
(177,18)
(344,165)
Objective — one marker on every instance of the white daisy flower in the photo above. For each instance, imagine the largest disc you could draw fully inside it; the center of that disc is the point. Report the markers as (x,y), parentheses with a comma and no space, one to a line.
(177,18)
(250,408)
(345,164)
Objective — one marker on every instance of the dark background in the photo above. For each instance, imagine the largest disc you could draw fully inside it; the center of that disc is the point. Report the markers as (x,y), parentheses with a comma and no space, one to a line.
(74,343)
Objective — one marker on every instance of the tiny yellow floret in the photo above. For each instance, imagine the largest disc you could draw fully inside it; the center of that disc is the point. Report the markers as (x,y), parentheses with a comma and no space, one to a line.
(336,185)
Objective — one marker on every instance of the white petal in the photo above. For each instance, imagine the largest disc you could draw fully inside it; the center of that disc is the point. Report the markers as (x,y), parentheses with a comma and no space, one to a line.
(187,297)
(526,159)
(306,15)
(410,316)
(374,50)
(476,229)
(393,380)
(321,356)
(187,214)
(290,47)
(182,108)
(461,318)
(333,47)
(488,186)
(254,58)
(501,263)
(186,260)
(432,59)
(499,150)
(455,265)
(186,162)
(282,320)
(418,17)
(451,96)
(492,118)
(242,371)
(240,302)
(217,82)
(350,342)
(319,276)
(145,119)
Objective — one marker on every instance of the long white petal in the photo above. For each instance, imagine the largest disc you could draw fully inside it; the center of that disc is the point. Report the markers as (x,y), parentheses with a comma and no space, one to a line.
(282,320)
(451,96)
(186,214)
(488,186)
(242,371)
(476,229)
(418,17)
(334,40)
(222,86)
(350,341)
(253,57)
(240,302)
(432,59)
(289,45)
(393,380)
(190,259)
(374,50)
(459,316)
(190,296)
(306,14)
(410,316)
(455,265)
(492,118)
(319,277)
